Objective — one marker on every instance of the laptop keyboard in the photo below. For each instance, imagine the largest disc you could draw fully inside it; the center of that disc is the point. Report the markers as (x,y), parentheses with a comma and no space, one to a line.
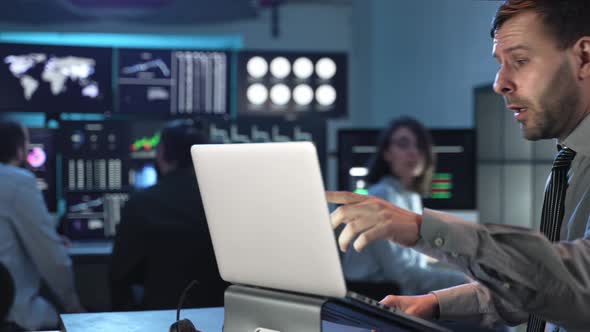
(369,313)
(372,302)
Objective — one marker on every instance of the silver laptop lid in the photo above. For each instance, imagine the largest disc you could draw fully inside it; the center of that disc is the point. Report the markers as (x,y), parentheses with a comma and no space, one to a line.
(268,216)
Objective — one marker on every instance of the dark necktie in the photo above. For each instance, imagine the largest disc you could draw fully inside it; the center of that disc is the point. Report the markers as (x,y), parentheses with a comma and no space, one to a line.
(553,209)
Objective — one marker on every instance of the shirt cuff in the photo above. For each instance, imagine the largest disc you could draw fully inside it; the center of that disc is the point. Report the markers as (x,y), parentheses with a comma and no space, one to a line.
(458,303)
(446,233)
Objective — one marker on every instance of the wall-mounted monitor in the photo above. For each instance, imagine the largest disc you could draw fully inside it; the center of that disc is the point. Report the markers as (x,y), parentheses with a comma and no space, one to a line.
(173,82)
(292,84)
(92,215)
(145,138)
(95,156)
(95,167)
(454,181)
(263,130)
(42,162)
(55,79)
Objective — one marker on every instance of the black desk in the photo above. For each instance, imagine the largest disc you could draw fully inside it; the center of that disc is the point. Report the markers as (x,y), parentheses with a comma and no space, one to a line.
(90,262)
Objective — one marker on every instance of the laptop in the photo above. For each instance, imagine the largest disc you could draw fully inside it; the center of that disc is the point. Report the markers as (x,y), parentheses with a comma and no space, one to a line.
(270,224)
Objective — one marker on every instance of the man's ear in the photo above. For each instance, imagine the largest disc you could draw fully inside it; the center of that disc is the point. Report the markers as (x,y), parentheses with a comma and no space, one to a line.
(582,53)
(21,154)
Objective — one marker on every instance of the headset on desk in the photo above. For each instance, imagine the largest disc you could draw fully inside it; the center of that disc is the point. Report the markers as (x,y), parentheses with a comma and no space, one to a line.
(183,325)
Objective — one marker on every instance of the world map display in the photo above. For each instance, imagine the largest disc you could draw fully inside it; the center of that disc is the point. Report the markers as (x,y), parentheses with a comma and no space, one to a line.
(57,71)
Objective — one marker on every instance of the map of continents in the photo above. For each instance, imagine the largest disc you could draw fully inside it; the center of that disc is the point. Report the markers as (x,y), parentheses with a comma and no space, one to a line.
(56,71)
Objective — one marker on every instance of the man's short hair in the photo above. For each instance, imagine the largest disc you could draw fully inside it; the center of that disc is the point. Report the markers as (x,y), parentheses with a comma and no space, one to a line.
(12,138)
(177,137)
(566,20)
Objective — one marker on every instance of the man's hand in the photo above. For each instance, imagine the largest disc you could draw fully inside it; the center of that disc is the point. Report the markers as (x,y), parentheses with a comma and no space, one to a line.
(423,306)
(371,218)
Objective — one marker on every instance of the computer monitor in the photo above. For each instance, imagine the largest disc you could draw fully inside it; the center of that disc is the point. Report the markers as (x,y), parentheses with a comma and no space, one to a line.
(294,84)
(454,181)
(265,129)
(145,138)
(42,162)
(173,82)
(92,215)
(55,79)
(95,176)
(94,155)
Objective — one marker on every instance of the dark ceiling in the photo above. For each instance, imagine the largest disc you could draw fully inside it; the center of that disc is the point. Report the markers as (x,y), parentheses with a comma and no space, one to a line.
(139,11)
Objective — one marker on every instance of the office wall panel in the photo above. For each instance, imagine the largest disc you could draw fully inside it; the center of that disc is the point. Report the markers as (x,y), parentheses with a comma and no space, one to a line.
(517,195)
(489,192)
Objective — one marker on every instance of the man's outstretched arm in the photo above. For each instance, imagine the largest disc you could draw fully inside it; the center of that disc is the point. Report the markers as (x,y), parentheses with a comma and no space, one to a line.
(519,266)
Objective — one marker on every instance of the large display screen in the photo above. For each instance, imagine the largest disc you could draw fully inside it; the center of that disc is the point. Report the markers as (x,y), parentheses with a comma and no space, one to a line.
(95,176)
(292,84)
(55,79)
(173,82)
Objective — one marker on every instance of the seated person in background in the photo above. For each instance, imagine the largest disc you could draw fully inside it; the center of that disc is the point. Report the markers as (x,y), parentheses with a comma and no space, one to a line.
(163,241)
(400,172)
(30,247)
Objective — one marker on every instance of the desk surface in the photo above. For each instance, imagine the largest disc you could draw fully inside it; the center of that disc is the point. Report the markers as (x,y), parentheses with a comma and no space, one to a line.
(96,248)
(207,319)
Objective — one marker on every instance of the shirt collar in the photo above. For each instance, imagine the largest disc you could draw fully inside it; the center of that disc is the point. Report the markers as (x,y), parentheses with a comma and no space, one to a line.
(394,182)
(578,139)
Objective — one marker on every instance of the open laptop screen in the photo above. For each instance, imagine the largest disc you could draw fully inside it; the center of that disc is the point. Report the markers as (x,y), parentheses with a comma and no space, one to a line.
(268,217)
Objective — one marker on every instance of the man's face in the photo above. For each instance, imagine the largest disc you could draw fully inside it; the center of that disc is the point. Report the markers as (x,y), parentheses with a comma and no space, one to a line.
(536,78)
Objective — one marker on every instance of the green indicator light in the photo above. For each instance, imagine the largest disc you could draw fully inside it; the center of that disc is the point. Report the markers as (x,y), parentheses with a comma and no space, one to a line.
(146,143)
(443,185)
(441,195)
(443,176)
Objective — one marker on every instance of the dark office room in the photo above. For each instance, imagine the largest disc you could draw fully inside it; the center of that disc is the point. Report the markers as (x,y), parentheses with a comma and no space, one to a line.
(294,165)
